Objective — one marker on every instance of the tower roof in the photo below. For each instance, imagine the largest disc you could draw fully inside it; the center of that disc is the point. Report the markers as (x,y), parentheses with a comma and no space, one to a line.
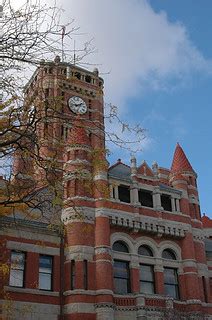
(180,162)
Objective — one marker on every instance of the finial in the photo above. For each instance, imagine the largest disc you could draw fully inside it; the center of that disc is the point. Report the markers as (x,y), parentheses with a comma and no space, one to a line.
(155,168)
(133,161)
(96,72)
(57,59)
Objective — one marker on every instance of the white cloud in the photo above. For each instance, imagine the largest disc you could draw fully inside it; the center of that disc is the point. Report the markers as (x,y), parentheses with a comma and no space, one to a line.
(139,46)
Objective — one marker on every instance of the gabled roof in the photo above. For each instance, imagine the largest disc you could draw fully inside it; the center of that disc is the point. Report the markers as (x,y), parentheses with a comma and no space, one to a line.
(180,162)
(145,170)
(120,170)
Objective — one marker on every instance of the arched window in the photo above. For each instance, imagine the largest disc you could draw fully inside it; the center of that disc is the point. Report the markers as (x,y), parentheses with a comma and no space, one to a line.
(171,285)
(145,251)
(120,246)
(147,281)
(121,270)
(168,254)
(121,277)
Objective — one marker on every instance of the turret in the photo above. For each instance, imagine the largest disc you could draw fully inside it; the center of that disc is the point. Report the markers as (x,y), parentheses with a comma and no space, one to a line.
(183,177)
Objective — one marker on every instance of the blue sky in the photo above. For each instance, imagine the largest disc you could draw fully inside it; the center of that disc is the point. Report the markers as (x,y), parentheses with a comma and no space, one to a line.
(156,59)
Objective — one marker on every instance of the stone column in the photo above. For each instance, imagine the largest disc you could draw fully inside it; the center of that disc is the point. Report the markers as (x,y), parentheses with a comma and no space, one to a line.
(141,313)
(157,199)
(134,194)
(116,192)
(173,204)
(178,205)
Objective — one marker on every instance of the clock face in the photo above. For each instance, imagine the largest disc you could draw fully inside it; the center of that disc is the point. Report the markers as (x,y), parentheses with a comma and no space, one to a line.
(77,105)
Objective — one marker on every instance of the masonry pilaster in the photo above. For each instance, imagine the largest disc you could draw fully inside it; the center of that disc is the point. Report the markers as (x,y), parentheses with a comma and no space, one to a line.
(159,280)
(190,271)
(104,270)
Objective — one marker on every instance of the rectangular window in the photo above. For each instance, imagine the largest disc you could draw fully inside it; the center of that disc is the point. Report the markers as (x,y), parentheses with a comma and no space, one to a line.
(171,283)
(166,202)
(124,193)
(45,272)
(204,289)
(72,274)
(85,272)
(145,198)
(121,277)
(147,279)
(17,268)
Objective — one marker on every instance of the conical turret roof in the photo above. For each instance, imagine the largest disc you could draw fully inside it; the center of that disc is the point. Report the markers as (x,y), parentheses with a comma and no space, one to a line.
(180,162)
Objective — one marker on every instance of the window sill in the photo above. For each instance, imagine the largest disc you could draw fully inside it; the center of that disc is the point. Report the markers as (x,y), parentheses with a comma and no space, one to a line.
(32,291)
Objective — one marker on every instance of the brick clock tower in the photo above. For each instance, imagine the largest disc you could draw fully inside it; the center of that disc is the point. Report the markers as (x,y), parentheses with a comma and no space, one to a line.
(134,245)
(77,139)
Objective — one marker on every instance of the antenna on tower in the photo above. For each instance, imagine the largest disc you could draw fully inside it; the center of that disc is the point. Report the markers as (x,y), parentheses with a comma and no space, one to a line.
(63,34)
(74,52)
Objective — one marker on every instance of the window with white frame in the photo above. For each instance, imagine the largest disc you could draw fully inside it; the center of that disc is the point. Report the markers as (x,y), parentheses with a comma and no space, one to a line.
(146,272)
(45,272)
(171,285)
(121,270)
(17,268)
(147,281)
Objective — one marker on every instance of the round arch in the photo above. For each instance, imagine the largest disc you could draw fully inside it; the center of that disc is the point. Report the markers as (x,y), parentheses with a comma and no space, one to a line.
(172,246)
(145,241)
(119,236)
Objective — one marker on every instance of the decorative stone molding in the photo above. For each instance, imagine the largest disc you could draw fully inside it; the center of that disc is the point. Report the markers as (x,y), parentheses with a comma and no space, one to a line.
(104,313)
(198,234)
(78,307)
(152,226)
(79,292)
(77,161)
(79,253)
(32,291)
(88,292)
(104,261)
(29,247)
(79,147)
(169,303)
(77,214)
(103,250)
(104,305)
(191,263)
(101,176)
(82,174)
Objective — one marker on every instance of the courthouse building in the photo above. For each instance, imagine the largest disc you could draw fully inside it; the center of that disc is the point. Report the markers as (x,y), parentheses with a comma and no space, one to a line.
(140,251)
